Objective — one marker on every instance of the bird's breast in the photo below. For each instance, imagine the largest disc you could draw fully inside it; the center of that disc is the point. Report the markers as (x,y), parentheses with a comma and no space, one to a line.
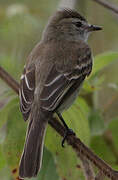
(69,101)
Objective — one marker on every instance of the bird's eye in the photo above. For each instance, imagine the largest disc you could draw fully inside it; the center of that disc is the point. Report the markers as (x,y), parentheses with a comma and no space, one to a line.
(78,24)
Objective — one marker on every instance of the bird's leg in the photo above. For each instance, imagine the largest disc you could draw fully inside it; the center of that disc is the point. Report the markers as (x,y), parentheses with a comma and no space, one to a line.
(68,131)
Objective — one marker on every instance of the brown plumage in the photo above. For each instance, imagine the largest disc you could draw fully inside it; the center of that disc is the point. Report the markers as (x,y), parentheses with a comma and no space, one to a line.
(52,77)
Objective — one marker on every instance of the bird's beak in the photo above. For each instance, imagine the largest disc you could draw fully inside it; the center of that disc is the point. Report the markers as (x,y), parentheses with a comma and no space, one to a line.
(94,28)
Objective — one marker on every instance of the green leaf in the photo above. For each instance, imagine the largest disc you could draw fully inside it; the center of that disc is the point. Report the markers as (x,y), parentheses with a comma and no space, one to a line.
(103,60)
(91,85)
(101,148)
(96,122)
(4,112)
(113,130)
(5,173)
(15,137)
(2,159)
(66,160)
(77,119)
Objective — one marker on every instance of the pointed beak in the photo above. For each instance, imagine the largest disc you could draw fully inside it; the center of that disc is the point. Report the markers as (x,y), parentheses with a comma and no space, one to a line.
(94,28)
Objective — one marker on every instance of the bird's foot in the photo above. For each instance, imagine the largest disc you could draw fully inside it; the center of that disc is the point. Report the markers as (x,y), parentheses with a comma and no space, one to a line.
(68,132)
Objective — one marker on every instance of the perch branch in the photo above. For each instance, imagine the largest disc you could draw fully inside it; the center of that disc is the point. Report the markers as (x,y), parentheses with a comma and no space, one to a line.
(87,168)
(99,176)
(108,5)
(78,146)
(9,80)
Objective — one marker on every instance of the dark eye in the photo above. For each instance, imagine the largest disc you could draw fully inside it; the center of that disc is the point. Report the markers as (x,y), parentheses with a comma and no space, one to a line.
(78,24)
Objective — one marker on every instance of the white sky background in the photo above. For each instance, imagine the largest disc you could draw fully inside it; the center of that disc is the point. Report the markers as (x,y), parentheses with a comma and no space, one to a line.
(67,4)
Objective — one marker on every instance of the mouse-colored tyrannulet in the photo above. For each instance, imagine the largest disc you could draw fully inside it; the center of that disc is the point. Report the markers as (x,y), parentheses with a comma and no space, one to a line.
(52,77)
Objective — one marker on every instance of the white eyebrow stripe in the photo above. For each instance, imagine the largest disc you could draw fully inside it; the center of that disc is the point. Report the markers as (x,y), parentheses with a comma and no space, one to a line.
(22,93)
(54,80)
(26,80)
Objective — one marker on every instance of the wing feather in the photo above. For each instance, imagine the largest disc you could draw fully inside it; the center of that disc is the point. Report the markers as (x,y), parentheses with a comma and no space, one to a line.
(55,85)
(26,91)
(59,83)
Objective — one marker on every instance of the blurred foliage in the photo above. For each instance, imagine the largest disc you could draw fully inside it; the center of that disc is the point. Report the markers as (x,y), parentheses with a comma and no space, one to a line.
(93,116)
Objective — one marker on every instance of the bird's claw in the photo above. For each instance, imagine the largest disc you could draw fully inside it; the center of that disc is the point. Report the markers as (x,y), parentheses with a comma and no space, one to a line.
(68,132)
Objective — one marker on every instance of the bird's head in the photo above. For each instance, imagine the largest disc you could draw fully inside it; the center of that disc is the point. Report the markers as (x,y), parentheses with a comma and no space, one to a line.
(69,25)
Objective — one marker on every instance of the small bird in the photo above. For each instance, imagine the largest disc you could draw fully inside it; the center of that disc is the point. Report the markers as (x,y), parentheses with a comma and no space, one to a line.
(52,77)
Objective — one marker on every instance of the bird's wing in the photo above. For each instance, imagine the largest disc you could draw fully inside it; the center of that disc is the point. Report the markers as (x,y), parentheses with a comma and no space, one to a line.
(59,83)
(26,91)
(56,86)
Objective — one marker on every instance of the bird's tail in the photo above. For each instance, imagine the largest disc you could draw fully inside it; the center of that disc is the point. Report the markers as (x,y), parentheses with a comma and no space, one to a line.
(31,159)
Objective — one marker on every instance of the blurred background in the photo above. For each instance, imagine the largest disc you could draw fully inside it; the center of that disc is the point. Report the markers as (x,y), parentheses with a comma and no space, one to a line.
(94,116)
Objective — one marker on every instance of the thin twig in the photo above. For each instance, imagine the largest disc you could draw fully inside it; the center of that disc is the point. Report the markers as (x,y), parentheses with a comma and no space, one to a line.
(87,168)
(78,146)
(82,150)
(9,80)
(108,5)
(99,176)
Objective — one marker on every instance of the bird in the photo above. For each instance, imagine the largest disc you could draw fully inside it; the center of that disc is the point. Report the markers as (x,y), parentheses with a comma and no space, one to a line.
(52,78)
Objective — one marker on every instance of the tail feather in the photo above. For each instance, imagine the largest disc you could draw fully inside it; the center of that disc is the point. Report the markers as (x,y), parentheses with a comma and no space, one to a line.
(31,159)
